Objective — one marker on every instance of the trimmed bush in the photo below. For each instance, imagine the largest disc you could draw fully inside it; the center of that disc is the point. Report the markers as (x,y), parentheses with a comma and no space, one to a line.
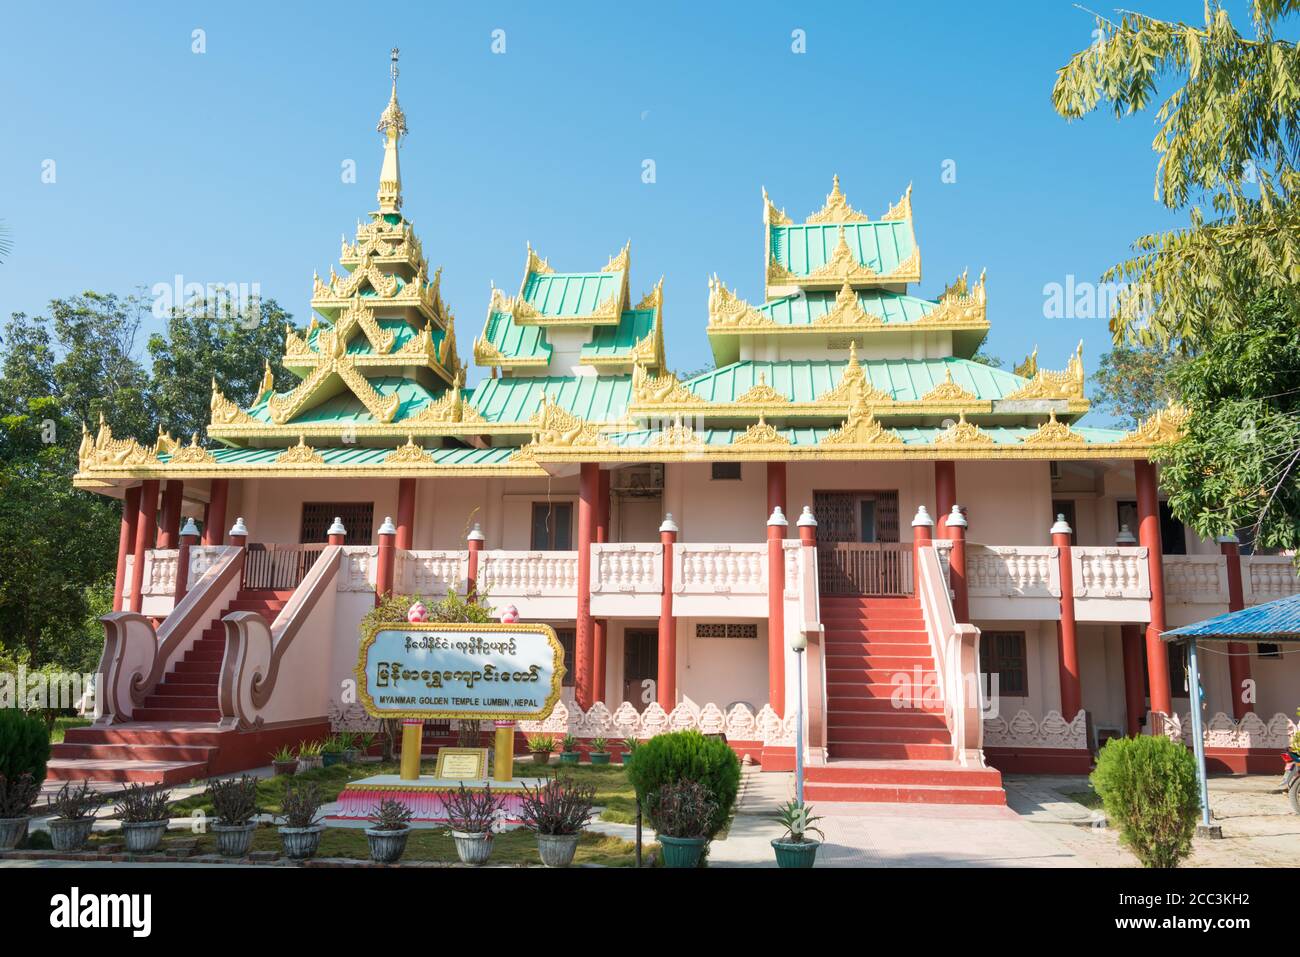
(689,756)
(1149,788)
(24,745)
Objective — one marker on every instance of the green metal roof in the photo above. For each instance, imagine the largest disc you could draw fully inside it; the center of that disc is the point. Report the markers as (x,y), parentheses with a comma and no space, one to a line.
(880,245)
(346,407)
(516,398)
(804,380)
(570,294)
(614,341)
(809,437)
(515,341)
(804,310)
(358,455)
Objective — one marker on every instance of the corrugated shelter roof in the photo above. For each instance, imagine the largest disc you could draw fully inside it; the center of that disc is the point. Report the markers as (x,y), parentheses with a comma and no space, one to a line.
(360,455)
(346,407)
(881,246)
(809,437)
(610,342)
(570,294)
(514,341)
(1274,621)
(804,310)
(515,399)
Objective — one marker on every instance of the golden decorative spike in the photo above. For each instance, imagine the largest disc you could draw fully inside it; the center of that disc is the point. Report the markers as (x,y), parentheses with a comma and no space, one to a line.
(837,209)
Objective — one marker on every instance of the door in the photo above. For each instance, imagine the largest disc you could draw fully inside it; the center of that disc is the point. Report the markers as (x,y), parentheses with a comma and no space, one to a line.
(640,665)
(858,551)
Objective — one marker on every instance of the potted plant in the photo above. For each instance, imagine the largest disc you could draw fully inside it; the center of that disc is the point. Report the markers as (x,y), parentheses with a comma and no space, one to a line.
(569,753)
(681,813)
(284,761)
(629,748)
(74,812)
(234,802)
(796,849)
(472,815)
(301,831)
(541,746)
(332,751)
(16,799)
(599,751)
(310,755)
(365,741)
(390,827)
(144,817)
(557,812)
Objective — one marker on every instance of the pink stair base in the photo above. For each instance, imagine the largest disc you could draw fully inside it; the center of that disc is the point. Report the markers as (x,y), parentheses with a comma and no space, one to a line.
(882,748)
(357,801)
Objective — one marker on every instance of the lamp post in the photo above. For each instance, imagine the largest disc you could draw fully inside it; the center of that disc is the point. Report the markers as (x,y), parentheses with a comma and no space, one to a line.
(799,644)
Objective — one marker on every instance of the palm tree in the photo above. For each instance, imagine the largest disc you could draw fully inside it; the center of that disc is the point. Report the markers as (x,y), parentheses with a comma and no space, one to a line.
(6,241)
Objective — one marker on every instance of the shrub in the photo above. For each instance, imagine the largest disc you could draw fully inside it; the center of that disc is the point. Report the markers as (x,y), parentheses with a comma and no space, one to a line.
(1149,787)
(24,745)
(390,815)
(681,809)
(138,804)
(234,800)
(689,756)
(473,812)
(17,795)
(299,806)
(541,743)
(560,806)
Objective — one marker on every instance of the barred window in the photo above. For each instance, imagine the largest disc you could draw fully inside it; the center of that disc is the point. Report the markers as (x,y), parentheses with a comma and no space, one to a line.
(1002,653)
(358,518)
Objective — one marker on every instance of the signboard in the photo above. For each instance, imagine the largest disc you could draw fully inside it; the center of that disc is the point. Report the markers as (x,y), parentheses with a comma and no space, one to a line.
(439,670)
(467,764)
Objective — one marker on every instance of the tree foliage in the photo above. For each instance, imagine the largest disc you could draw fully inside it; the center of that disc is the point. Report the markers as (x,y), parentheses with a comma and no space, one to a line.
(1132,382)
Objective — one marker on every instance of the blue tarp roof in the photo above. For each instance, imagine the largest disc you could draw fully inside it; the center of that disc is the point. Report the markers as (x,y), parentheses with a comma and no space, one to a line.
(1275,621)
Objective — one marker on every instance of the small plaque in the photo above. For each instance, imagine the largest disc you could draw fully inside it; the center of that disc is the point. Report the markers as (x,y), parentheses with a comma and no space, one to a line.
(465,764)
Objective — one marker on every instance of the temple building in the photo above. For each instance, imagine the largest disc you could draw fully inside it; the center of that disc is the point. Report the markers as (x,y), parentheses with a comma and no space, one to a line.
(979,576)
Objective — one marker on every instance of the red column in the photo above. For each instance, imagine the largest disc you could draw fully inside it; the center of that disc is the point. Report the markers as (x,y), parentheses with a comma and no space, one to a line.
(588,492)
(169,525)
(125,541)
(922,535)
(214,525)
(1148,507)
(666,682)
(775,487)
(144,533)
(405,512)
(1238,653)
(337,534)
(776,527)
(386,561)
(945,494)
(600,627)
(956,528)
(189,537)
(1067,640)
(473,542)
(1135,693)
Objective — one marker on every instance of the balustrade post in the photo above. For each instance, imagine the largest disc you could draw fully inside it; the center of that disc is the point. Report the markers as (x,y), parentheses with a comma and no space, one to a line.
(385,562)
(666,680)
(337,534)
(170,522)
(945,495)
(125,541)
(215,522)
(956,530)
(922,529)
(776,526)
(474,545)
(144,534)
(238,533)
(1238,653)
(1148,507)
(189,537)
(1067,640)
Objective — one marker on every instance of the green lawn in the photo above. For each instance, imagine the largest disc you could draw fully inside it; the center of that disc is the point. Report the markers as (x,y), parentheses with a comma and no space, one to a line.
(61,725)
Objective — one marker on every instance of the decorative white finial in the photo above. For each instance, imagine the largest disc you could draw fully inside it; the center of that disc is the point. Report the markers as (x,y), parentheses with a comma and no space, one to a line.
(922,517)
(475,534)
(777,517)
(1224,539)
(337,527)
(388,528)
(1062,527)
(807,518)
(669,525)
(956,517)
(1125,537)
(239,528)
(190,529)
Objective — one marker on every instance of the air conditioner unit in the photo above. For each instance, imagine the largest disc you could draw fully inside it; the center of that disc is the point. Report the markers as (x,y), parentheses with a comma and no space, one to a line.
(641,481)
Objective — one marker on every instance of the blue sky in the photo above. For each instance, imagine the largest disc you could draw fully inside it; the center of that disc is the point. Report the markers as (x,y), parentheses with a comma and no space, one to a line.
(225,166)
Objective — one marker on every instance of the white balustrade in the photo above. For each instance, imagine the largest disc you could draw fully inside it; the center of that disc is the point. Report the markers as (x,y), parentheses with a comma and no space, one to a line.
(720,569)
(432,573)
(1268,577)
(504,574)
(160,572)
(1019,571)
(1196,579)
(627,568)
(1110,572)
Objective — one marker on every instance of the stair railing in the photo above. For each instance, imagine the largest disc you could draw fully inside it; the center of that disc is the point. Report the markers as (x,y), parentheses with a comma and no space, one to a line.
(815,654)
(955,646)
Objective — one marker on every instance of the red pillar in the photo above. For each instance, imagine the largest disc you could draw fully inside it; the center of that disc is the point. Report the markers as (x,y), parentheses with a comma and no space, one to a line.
(1238,653)
(776,527)
(474,543)
(1067,640)
(588,492)
(1135,694)
(775,487)
(169,525)
(386,561)
(189,537)
(945,495)
(405,512)
(922,535)
(214,524)
(600,627)
(1148,507)
(956,528)
(125,541)
(666,682)
(144,533)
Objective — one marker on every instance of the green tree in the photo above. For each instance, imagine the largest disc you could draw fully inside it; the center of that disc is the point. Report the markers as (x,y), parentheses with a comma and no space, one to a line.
(1237,465)
(1132,382)
(1229,125)
(201,342)
(27,371)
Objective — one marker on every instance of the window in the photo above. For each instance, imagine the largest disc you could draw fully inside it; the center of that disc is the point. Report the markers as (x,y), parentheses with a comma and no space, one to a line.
(568,638)
(719,629)
(358,518)
(726,471)
(1002,653)
(1173,538)
(1066,507)
(552,527)
(1267,650)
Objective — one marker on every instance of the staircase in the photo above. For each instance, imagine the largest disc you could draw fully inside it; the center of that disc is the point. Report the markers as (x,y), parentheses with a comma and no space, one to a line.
(173,737)
(878,748)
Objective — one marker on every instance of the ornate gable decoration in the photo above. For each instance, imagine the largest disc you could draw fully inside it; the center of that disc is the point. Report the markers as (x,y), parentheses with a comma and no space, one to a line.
(949,391)
(854,387)
(860,429)
(409,454)
(963,433)
(836,209)
(664,389)
(535,263)
(555,426)
(729,311)
(1052,385)
(620,261)
(843,266)
(901,209)
(761,394)
(678,436)
(448,408)
(773,216)
(848,312)
(192,454)
(300,454)
(1053,432)
(227,412)
(760,433)
(1166,425)
(960,303)
(105,451)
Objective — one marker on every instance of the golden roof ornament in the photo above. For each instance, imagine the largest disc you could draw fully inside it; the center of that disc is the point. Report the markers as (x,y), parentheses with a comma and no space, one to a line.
(837,208)
(392,124)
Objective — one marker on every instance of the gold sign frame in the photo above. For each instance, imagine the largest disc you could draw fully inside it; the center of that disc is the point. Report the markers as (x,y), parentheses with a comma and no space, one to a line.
(480,756)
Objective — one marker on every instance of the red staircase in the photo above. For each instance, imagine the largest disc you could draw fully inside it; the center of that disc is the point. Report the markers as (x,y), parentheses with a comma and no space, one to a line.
(888,741)
(172,737)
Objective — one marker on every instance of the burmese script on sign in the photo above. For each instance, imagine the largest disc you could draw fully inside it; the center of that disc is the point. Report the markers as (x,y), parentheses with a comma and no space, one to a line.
(443,672)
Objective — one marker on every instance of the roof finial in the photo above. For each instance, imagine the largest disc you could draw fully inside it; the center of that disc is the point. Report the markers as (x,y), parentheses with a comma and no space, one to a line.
(392,123)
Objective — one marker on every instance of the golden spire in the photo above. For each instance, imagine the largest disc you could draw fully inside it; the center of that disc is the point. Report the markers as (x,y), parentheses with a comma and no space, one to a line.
(392,123)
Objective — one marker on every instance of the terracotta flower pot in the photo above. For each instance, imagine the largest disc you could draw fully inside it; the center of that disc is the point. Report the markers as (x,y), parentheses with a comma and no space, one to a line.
(70,834)
(234,840)
(557,850)
(473,847)
(301,843)
(386,846)
(541,757)
(12,831)
(143,836)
